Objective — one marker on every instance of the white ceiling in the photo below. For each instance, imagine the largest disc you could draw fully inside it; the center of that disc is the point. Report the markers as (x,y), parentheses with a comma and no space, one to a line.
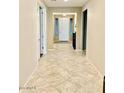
(61,3)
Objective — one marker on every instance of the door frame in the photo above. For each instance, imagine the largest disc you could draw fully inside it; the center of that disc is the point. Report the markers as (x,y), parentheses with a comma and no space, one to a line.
(75,25)
(41,39)
(84,31)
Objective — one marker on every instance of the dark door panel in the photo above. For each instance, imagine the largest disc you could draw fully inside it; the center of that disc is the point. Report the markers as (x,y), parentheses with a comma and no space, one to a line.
(84,46)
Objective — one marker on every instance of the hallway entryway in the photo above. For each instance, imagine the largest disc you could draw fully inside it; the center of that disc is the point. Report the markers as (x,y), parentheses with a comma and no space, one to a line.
(63,70)
(54,33)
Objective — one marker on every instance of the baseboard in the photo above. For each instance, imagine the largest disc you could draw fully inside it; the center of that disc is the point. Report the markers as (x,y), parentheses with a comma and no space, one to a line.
(100,74)
(29,78)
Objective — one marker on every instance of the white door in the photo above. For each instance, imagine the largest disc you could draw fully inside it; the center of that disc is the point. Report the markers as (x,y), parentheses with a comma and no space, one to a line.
(63,29)
(44,31)
(41,31)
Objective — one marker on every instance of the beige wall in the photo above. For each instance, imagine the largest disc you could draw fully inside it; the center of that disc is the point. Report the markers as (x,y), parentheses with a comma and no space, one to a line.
(96,33)
(28,58)
(28,26)
(50,24)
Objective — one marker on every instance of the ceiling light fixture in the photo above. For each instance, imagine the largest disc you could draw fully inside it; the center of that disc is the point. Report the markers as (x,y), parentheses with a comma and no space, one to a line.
(65,0)
(64,14)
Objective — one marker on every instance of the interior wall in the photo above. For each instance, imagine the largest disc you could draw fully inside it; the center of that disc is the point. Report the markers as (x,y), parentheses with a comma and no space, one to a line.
(96,33)
(50,17)
(28,26)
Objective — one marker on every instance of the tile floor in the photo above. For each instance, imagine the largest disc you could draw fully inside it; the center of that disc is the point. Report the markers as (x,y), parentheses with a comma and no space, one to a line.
(64,70)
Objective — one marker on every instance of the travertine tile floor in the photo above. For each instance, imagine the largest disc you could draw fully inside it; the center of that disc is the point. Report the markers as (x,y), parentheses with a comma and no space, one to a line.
(64,70)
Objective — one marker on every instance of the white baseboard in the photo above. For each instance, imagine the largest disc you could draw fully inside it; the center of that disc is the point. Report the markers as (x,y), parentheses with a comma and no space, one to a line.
(29,78)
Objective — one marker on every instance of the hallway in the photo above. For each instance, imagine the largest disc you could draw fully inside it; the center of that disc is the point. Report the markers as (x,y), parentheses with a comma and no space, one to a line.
(62,46)
(63,70)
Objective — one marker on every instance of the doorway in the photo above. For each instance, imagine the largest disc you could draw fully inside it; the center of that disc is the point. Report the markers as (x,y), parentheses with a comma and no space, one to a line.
(64,29)
(71,29)
(41,31)
(84,34)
